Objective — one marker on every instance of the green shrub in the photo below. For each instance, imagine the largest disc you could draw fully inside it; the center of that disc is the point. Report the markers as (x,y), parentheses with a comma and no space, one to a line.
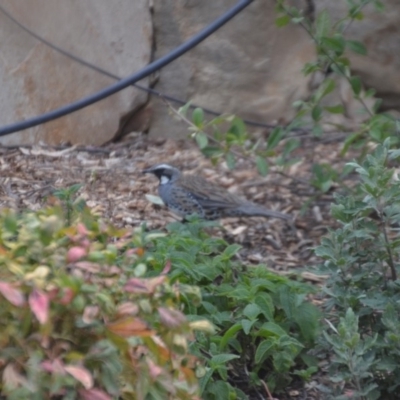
(363,290)
(264,323)
(80,320)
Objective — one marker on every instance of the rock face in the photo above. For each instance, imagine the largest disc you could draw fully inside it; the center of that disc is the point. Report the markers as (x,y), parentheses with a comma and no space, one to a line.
(249,67)
(115,35)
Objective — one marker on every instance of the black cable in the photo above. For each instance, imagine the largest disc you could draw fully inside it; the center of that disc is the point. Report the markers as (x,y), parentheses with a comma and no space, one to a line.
(130,80)
(116,77)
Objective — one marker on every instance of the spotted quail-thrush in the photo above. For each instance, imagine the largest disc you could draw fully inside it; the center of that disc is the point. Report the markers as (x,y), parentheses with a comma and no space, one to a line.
(190,194)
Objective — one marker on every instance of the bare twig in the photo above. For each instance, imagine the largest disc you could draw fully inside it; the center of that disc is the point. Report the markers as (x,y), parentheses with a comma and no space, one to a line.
(267,390)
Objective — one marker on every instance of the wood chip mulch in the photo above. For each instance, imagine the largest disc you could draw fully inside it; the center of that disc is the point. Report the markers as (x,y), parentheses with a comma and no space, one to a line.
(114,186)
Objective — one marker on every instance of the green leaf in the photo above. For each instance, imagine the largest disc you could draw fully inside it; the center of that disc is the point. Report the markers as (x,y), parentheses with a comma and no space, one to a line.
(184,109)
(222,358)
(356,47)
(212,151)
(377,105)
(290,145)
(75,188)
(220,390)
(229,334)
(307,317)
(264,301)
(282,21)
(271,329)
(203,382)
(328,86)
(262,166)
(231,251)
(288,301)
(202,140)
(198,117)
(297,20)
(264,350)
(275,137)
(338,109)
(356,85)
(370,92)
(247,325)
(230,160)
(237,128)
(336,44)
(325,251)
(322,24)
(379,6)
(316,113)
(317,130)
(251,311)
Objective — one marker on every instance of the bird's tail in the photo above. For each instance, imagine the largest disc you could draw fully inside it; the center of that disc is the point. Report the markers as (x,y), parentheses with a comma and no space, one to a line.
(255,210)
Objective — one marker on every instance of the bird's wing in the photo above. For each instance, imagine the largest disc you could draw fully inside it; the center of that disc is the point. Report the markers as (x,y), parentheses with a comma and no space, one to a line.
(208,194)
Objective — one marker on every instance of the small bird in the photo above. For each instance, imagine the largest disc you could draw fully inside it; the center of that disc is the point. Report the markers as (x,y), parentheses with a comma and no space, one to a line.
(191,194)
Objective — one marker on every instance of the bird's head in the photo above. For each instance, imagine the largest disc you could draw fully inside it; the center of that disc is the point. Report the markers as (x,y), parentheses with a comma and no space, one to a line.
(164,172)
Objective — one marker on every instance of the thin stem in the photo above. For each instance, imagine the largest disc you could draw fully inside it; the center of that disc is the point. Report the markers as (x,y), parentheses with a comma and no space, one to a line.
(332,60)
(389,250)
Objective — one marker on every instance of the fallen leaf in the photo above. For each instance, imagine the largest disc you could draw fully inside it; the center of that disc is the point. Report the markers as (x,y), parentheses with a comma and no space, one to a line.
(154,199)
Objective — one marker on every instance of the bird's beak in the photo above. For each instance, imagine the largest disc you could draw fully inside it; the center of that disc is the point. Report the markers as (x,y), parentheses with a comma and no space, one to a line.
(146,171)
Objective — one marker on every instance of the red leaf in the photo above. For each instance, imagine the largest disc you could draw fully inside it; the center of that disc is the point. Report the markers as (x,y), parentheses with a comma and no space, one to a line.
(13,295)
(39,304)
(82,230)
(130,326)
(136,285)
(153,283)
(167,268)
(171,318)
(88,266)
(75,254)
(53,366)
(127,308)
(81,374)
(67,296)
(154,370)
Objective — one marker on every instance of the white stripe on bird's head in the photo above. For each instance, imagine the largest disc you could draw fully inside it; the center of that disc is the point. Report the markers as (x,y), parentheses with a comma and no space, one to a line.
(164,179)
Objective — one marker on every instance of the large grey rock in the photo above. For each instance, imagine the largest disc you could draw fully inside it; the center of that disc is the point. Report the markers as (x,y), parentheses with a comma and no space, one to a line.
(249,67)
(115,35)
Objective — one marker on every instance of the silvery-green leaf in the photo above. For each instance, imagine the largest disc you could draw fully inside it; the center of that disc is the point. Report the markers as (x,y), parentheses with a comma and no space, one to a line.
(154,199)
